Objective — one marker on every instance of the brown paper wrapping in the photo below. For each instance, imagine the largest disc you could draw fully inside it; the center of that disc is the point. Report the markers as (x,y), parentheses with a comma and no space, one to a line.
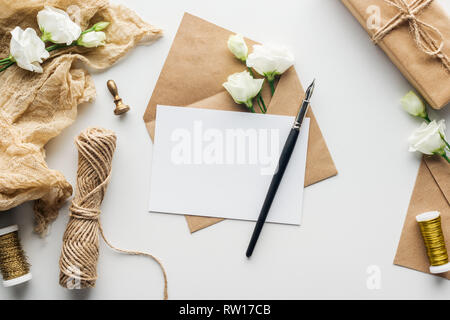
(425,73)
(197,65)
(431,193)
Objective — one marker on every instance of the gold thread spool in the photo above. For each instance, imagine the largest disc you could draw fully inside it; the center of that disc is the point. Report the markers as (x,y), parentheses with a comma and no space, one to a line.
(433,237)
(13,263)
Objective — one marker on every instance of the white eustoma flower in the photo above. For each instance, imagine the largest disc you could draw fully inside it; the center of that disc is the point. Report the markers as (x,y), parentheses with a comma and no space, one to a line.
(27,49)
(57,26)
(429,138)
(270,60)
(243,88)
(238,47)
(412,104)
(92,39)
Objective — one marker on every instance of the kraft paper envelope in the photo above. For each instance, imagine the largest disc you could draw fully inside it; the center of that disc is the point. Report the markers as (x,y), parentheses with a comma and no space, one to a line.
(431,193)
(197,65)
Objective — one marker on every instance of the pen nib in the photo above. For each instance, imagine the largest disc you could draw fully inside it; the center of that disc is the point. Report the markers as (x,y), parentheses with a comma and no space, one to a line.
(310,90)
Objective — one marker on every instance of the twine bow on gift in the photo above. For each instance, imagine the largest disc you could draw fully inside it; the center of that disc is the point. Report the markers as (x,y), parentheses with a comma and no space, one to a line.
(428,38)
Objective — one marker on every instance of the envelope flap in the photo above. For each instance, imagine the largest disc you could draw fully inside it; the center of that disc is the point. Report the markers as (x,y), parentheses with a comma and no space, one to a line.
(197,64)
(427,196)
(440,170)
(286,101)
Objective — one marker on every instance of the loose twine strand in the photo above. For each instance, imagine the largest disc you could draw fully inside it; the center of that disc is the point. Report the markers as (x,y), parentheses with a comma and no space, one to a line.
(422,31)
(80,250)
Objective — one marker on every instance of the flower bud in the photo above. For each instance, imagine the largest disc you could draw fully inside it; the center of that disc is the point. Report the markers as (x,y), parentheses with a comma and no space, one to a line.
(92,39)
(238,47)
(412,104)
(99,26)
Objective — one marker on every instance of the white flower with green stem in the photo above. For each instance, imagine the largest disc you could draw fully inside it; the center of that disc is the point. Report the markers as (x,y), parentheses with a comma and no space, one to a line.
(237,46)
(430,138)
(243,88)
(28,50)
(89,38)
(57,27)
(270,61)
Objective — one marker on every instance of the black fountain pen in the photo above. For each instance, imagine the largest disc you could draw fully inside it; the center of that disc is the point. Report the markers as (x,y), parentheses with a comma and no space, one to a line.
(282,164)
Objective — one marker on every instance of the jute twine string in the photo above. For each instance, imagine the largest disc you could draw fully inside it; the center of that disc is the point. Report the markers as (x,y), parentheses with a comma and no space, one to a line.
(428,38)
(79,256)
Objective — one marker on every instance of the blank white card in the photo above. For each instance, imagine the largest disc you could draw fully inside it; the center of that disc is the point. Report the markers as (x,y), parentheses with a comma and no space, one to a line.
(220,164)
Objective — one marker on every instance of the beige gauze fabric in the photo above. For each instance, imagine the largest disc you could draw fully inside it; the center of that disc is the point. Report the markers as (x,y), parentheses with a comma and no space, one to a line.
(35,108)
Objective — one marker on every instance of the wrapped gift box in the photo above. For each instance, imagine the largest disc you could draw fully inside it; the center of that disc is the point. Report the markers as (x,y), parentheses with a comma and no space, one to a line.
(415,34)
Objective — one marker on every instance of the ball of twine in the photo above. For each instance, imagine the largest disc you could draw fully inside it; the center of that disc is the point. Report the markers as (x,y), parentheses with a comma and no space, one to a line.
(80,250)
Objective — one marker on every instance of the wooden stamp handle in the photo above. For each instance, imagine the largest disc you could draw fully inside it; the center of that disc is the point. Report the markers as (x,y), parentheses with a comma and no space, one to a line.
(113,88)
